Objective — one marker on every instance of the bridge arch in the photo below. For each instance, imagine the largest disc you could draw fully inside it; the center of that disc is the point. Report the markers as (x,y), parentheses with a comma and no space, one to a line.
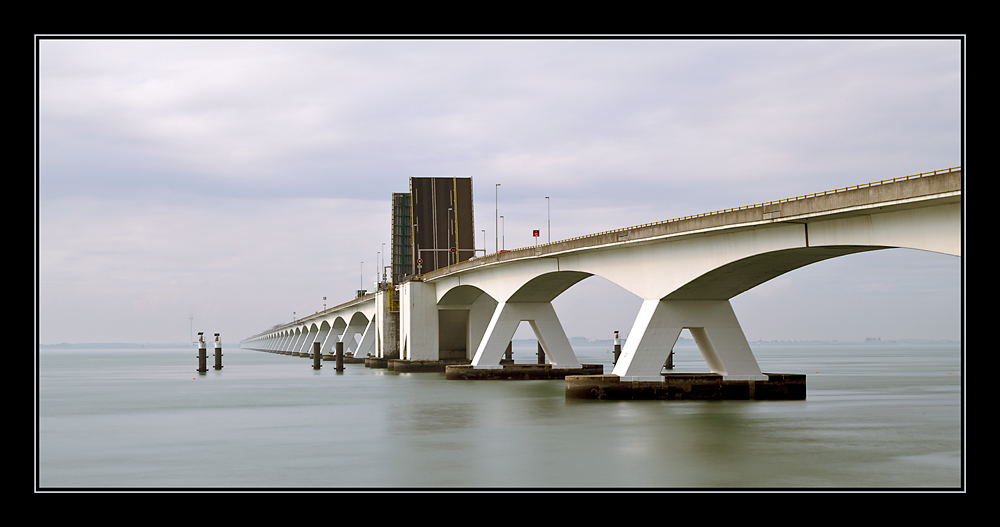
(464,314)
(547,286)
(686,281)
(461,295)
(354,332)
(738,276)
(309,333)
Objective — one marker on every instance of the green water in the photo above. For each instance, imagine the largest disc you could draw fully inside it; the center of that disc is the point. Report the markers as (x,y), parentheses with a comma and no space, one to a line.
(875,417)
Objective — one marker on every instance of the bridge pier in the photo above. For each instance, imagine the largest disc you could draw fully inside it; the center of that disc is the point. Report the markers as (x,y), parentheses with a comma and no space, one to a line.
(715,329)
(418,321)
(381,338)
(544,323)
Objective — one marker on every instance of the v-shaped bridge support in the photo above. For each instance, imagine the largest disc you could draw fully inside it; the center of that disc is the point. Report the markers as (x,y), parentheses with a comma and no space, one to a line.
(545,324)
(713,325)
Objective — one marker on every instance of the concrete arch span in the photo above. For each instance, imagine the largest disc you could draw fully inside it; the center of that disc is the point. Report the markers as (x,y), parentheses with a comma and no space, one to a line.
(686,282)
(359,324)
(731,279)
(460,295)
(701,303)
(541,288)
(652,270)
(546,287)
(476,321)
(532,303)
(703,307)
(464,313)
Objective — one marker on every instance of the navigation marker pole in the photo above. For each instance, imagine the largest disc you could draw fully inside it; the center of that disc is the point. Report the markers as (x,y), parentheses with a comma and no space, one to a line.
(202,353)
(218,352)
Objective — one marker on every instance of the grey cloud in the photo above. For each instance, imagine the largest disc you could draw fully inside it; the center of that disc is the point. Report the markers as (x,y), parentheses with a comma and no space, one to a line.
(617,132)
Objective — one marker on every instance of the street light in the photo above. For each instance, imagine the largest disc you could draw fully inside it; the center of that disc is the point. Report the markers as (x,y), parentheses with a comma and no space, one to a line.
(497,213)
(502,231)
(549,212)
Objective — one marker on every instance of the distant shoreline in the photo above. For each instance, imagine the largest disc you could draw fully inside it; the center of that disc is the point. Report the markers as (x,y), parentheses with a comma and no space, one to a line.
(100,345)
(521,343)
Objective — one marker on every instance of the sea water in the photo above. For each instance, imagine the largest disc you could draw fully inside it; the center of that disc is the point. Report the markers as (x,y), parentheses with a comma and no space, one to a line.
(879,416)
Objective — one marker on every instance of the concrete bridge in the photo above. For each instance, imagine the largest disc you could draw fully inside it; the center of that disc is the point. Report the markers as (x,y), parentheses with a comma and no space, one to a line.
(343,323)
(686,270)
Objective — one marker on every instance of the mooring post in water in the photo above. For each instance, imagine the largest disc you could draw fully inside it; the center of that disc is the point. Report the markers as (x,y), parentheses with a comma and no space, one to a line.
(541,354)
(317,358)
(202,353)
(618,348)
(670,361)
(509,354)
(218,352)
(340,356)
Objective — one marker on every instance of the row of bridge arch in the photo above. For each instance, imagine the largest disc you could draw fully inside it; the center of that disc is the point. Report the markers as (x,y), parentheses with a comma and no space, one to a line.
(355,329)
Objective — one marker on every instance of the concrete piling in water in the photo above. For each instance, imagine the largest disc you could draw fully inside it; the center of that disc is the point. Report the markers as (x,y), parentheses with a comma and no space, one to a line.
(218,352)
(541,354)
(340,356)
(317,357)
(618,348)
(202,354)
(508,356)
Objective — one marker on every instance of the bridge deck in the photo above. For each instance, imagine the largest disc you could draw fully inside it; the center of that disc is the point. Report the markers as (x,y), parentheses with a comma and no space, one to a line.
(855,199)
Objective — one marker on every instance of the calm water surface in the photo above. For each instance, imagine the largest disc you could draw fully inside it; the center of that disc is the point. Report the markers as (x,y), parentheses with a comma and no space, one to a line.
(875,416)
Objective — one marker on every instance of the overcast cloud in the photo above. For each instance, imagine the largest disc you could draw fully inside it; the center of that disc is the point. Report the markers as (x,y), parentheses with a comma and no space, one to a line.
(239,181)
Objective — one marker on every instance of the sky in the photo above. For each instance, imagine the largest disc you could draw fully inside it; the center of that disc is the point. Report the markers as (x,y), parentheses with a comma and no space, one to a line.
(229,185)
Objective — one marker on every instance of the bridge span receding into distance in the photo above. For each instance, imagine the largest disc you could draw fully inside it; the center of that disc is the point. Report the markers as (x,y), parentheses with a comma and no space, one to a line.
(686,270)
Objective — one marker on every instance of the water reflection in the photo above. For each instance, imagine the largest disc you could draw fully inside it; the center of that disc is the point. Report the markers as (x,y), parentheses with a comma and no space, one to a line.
(431,418)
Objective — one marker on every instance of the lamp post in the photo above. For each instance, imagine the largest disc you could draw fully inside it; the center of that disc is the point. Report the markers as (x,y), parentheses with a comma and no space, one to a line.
(548,212)
(503,231)
(497,214)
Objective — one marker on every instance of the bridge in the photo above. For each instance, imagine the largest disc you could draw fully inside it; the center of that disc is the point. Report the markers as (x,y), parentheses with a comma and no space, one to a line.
(686,270)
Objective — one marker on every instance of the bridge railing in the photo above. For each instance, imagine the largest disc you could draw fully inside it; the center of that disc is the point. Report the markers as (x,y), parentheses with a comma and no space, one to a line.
(524,250)
(744,207)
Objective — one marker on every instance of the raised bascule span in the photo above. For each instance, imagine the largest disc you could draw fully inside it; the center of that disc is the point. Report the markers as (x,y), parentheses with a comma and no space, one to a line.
(686,270)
